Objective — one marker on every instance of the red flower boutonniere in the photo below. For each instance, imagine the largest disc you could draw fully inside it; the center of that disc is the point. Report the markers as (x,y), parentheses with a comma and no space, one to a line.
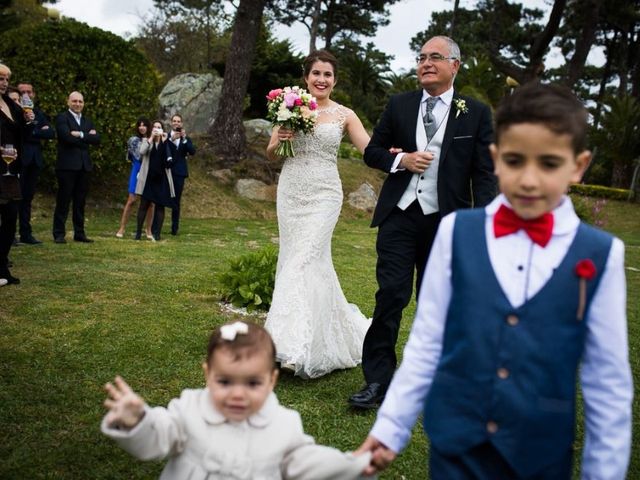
(585,270)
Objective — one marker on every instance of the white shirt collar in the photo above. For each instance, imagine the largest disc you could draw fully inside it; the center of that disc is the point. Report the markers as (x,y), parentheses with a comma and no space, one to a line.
(446,97)
(77,116)
(565,218)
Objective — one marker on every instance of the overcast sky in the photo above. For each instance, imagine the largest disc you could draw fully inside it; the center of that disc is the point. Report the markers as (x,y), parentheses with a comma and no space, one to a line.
(408,17)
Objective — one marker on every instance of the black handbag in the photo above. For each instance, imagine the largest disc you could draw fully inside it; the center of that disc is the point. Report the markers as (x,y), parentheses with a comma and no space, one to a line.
(10,188)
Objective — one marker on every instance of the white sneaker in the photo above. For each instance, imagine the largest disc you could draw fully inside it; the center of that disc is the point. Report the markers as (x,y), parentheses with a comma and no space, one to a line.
(119,235)
(3,282)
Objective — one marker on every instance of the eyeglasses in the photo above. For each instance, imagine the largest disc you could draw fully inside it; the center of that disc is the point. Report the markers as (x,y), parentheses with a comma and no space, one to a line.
(433,58)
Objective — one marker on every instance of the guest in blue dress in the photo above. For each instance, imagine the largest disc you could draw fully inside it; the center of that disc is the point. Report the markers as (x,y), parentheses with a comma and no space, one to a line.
(142,131)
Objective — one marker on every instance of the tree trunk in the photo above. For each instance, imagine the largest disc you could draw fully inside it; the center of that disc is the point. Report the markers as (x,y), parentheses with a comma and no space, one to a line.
(606,74)
(542,41)
(227,129)
(452,27)
(590,13)
(315,26)
(620,174)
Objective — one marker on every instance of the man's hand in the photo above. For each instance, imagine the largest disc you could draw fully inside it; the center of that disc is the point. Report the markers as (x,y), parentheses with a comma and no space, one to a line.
(381,455)
(92,131)
(126,408)
(416,162)
(76,133)
(29,116)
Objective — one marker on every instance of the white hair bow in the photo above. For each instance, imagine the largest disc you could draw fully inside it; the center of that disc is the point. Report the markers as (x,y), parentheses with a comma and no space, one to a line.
(229,332)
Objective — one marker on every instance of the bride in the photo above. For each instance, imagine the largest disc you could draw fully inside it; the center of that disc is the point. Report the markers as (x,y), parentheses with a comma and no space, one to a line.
(314,328)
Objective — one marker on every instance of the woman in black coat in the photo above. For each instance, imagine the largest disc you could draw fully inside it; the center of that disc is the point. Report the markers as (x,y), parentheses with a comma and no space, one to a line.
(12,123)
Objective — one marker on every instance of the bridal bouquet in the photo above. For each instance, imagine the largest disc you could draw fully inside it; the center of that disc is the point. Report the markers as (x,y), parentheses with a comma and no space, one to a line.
(293,108)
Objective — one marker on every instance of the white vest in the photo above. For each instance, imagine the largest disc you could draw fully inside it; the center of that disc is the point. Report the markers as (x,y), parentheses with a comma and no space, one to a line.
(424,186)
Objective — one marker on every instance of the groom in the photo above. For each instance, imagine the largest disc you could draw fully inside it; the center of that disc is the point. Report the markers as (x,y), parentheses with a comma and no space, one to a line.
(445,166)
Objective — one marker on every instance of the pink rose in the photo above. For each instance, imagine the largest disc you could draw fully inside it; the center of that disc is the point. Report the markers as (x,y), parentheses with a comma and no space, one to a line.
(298,102)
(290,99)
(313,105)
(273,94)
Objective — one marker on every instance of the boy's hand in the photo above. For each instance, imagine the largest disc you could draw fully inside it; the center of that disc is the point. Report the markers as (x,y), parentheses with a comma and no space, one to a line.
(126,408)
(381,455)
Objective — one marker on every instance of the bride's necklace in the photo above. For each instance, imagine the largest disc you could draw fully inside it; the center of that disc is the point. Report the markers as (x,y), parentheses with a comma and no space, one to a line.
(328,108)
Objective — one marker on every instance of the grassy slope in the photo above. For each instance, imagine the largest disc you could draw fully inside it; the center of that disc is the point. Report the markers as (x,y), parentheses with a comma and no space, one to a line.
(144,310)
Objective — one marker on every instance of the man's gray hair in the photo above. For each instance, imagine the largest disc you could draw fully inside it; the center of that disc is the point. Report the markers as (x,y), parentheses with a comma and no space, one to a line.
(454,49)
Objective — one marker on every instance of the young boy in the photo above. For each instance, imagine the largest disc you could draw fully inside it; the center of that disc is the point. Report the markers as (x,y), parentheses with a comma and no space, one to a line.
(517,296)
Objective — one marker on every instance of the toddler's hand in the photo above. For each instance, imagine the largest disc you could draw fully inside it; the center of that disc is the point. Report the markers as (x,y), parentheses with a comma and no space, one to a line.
(381,455)
(126,408)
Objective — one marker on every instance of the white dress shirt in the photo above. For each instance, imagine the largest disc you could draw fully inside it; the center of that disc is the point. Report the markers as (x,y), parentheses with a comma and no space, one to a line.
(78,119)
(522,269)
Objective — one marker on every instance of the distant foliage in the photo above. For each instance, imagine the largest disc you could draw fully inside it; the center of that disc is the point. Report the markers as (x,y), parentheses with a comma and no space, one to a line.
(590,210)
(599,191)
(250,279)
(117,81)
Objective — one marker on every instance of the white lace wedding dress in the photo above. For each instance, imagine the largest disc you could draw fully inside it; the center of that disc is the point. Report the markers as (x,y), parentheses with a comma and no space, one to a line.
(312,325)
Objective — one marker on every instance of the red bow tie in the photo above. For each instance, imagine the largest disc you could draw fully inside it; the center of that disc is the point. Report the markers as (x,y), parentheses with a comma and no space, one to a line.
(506,222)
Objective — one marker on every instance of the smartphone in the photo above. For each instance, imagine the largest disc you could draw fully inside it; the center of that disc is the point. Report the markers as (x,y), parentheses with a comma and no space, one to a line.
(178,129)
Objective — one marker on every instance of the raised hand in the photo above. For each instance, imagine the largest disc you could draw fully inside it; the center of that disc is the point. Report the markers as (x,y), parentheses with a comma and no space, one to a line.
(381,455)
(126,408)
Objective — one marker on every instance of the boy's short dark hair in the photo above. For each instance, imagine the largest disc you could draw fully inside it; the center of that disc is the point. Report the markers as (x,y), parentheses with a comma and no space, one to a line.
(554,106)
(256,340)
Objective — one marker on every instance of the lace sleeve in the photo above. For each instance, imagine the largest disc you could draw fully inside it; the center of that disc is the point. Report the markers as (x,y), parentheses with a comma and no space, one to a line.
(133,148)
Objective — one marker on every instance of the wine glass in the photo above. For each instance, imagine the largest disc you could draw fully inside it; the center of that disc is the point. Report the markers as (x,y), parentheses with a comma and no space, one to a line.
(9,154)
(27,104)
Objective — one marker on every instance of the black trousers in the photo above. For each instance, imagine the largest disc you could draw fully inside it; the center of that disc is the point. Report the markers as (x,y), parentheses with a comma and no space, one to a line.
(8,217)
(403,245)
(178,185)
(28,182)
(73,185)
(484,462)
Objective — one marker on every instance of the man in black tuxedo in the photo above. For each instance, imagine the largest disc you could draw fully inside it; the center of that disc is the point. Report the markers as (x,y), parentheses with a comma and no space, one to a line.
(32,162)
(184,147)
(75,134)
(444,165)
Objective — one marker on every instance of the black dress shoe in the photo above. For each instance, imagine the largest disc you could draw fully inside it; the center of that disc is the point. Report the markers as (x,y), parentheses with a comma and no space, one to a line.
(371,396)
(31,240)
(11,280)
(82,239)
(59,239)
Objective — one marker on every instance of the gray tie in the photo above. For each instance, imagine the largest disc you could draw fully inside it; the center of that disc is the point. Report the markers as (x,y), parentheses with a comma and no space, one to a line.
(429,120)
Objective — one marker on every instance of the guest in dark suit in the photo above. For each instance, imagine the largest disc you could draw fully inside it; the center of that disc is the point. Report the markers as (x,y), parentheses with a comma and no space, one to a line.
(184,147)
(75,134)
(32,161)
(12,126)
(445,165)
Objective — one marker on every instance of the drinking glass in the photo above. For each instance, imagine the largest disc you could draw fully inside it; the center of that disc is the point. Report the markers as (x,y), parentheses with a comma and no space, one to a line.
(9,154)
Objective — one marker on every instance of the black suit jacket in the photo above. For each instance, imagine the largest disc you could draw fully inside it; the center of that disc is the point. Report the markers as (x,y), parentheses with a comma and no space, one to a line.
(73,152)
(465,172)
(185,148)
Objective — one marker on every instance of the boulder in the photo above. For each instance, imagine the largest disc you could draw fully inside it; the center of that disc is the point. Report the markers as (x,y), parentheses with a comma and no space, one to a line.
(255,190)
(364,198)
(194,96)
(258,132)
(224,176)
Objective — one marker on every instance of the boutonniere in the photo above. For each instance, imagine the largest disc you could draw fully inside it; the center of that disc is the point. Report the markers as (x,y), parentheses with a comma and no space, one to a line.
(461,106)
(585,270)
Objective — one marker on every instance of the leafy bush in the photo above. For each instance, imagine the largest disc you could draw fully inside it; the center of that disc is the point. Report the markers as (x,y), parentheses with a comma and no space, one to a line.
(117,81)
(600,192)
(250,279)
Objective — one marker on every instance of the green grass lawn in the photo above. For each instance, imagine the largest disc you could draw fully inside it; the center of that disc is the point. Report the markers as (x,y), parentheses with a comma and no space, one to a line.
(144,310)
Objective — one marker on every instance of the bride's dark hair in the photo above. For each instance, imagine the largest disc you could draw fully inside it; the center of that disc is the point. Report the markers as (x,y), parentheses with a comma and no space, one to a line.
(319,56)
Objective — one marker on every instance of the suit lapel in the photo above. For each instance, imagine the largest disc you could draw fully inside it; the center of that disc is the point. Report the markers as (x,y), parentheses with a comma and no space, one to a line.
(409,117)
(452,125)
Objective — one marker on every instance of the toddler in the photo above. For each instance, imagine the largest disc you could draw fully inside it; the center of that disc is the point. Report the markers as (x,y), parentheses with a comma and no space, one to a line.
(232,429)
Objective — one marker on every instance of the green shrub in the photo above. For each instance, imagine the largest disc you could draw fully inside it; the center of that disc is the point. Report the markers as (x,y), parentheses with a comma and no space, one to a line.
(600,191)
(117,81)
(349,151)
(250,279)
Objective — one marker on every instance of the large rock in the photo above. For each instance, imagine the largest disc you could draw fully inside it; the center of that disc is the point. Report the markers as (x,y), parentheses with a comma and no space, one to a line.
(194,96)
(364,198)
(255,189)
(258,132)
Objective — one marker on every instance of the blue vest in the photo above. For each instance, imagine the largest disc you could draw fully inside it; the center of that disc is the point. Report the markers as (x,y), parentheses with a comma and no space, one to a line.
(508,375)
